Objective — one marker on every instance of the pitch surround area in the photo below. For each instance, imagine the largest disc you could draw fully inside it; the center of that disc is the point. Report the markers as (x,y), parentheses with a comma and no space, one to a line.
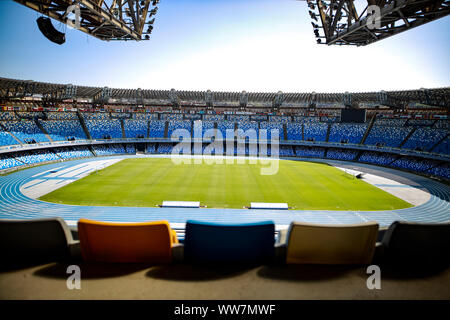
(15,205)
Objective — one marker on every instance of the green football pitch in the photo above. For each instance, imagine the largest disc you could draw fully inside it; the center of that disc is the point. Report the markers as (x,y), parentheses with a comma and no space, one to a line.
(147,182)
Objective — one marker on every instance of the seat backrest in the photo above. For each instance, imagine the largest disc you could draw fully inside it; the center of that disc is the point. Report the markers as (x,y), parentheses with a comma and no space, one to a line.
(331,244)
(147,242)
(419,243)
(39,240)
(219,243)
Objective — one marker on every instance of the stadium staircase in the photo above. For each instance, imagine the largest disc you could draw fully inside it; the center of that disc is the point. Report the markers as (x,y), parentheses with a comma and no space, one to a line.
(328,136)
(12,135)
(407,137)
(83,125)
(123,128)
(39,125)
(166,129)
(369,127)
(148,132)
(285,137)
(439,142)
(91,149)
(360,153)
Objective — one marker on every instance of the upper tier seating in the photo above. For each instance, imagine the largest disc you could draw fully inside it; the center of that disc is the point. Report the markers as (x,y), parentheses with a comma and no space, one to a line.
(177,124)
(7,115)
(99,129)
(147,242)
(226,244)
(315,131)
(59,130)
(424,138)
(205,126)
(145,116)
(223,126)
(249,127)
(156,128)
(294,131)
(172,116)
(34,241)
(269,126)
(443,147)
(62,116)
(309,243)
(135,128)
(95,116)
(214,117)
(6,139)
(352,133)
(25,130)
(387,135)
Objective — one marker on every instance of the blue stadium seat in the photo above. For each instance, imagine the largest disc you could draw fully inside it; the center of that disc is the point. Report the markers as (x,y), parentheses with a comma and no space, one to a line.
(239,243)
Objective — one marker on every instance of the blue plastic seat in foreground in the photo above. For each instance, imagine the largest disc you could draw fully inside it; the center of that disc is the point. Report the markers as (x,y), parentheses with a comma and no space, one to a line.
(237,243)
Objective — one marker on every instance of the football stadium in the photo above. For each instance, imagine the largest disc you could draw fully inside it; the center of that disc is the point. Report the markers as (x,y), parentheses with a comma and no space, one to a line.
(149,192)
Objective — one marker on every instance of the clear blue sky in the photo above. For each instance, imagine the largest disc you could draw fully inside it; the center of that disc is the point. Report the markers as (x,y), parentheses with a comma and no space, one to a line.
(232,45)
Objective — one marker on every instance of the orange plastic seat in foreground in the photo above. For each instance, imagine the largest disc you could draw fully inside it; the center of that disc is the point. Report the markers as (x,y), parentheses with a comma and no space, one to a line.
(146,242)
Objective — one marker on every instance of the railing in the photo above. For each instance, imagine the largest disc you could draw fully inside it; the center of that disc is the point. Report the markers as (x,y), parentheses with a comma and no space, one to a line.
(55,144)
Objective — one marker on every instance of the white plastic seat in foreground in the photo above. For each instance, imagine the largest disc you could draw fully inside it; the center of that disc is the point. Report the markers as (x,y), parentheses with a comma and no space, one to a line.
(331,244)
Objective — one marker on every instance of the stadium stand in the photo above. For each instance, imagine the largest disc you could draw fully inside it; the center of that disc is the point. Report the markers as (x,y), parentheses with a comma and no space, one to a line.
(36,156)
(177,124)
(341,154)
(73,152)
(351,133)
(156,128)
(62,115)
(269,126)
(135,128)
(378,158)
(6,139)
(424,138)
(294,131)
(222,127)
(386,135)
(286,151)
(144,116)
(314,131)
(164,148)
(25,131)
(59,130)
(111,149)
(102,129)
(7,162)
(414,164)
(151,148)
(309,152)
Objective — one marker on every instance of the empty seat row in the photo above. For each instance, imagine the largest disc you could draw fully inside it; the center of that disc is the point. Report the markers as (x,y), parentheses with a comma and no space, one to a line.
(156,242)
